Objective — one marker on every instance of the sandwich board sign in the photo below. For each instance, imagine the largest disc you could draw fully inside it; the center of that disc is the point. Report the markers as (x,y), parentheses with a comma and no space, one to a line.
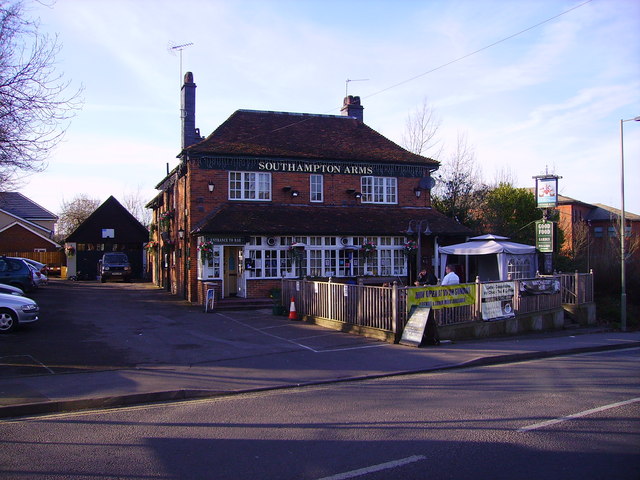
(414,329)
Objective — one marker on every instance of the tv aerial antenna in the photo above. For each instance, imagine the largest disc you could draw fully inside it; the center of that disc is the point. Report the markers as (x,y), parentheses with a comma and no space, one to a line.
(346,86)
(173,48)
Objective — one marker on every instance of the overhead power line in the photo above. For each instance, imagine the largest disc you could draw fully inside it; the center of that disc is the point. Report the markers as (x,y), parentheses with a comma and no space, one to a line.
(478,51)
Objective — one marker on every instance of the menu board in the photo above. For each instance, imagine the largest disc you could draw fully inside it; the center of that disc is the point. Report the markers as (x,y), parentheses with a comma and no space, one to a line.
(414,329)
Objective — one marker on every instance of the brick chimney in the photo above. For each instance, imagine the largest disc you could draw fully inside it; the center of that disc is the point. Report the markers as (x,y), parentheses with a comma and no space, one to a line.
(190,133)
(351,107)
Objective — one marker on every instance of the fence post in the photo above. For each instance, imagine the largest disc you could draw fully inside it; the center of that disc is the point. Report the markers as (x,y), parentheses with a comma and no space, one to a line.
(576,280)
(478,313)
(394,312)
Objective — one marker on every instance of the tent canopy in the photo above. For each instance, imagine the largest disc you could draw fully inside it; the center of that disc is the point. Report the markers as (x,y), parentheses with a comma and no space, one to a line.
(487,244)
(504,250)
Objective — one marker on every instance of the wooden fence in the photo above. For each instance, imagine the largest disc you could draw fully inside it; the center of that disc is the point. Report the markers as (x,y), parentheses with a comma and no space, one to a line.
(55,261)
(48,258)
(384,308)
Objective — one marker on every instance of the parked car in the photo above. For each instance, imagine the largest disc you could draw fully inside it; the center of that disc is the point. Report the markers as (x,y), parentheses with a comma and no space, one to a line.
(39,279)
(11,290)
(16,310)
(41,267)
(15,272)
(114,265)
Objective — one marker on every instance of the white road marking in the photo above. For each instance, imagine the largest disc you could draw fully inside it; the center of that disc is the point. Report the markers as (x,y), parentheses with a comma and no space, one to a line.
(35,360)
(375,468)
(584,413)
(301,345)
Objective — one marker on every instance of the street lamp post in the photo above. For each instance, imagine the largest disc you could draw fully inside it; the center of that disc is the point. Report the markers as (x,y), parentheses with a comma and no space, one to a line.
(417,224)
(623,291)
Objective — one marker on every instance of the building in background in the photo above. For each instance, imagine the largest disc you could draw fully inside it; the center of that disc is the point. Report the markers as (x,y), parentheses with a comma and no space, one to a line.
(594,229)
(270,194)
(110,228)
(25,226)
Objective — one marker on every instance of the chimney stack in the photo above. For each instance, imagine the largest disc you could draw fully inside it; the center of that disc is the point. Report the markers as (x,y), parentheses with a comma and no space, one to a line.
(351,107)
(190,134)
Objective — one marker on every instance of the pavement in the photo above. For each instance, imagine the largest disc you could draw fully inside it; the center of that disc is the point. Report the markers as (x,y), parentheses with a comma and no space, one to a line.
(313,356)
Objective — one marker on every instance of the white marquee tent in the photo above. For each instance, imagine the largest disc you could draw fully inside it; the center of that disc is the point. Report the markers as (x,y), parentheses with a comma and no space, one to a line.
(497,258)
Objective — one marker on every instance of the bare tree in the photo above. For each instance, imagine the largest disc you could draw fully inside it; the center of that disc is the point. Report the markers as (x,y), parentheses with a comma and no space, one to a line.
(459,188)
(73,213)
(35,106)
(135,203)
(421,129)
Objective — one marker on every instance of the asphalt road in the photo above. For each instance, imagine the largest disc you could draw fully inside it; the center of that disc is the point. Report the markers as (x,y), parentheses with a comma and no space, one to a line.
(574,417)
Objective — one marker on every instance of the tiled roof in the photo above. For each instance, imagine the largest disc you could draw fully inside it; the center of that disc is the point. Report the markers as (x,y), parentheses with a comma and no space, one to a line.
(605,212)
(20,206)
(245,218)
(305,136)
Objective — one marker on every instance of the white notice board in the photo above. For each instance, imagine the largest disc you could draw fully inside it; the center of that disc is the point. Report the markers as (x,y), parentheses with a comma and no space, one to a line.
(414,329)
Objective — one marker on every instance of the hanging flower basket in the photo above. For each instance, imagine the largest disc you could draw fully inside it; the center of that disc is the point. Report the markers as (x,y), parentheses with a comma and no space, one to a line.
(151,245)
(410,248)
(206,250)
(296,252)
(164,219)
(70,251)
(368,249)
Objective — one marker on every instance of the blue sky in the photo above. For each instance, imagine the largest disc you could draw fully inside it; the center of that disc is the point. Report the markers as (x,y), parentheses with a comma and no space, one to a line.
(550,98)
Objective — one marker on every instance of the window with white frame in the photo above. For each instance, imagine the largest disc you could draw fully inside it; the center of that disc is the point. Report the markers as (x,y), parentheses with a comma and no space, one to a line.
(249,186)
(325,257)
(379,190)
(209,266)
(316,188)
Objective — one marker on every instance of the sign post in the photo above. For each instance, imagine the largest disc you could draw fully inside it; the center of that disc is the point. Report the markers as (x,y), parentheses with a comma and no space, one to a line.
(546,197)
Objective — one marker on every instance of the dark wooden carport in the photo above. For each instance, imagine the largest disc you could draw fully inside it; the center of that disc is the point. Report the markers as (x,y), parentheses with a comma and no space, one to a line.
(110,228)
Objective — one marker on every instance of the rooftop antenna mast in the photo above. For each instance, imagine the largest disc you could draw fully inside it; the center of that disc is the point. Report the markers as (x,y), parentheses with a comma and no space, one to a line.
(178,48)
(346,87)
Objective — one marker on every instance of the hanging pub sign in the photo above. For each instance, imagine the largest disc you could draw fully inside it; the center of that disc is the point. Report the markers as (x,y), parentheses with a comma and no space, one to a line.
(544,236)
(547,191)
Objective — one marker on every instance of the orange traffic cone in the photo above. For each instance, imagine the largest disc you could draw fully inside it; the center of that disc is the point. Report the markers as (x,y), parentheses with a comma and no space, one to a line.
(292,310)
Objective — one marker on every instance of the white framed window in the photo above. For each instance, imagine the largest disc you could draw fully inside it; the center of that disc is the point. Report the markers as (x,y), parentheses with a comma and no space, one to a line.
(379,189)
(209,267)
(325,257)
(250,186)
(316,188)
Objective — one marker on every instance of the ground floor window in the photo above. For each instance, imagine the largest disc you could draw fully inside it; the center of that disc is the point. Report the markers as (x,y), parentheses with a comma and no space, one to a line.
(278,257)
(316,256)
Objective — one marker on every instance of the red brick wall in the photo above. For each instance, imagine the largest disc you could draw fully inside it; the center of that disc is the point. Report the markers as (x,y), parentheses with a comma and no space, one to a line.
(195,202)
(19,239)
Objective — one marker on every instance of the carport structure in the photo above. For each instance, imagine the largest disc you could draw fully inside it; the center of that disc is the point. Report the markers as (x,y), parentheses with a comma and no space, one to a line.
(111,228)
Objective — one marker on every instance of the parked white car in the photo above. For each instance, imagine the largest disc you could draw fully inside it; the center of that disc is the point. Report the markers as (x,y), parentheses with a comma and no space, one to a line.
(10,289)
(39,278)
(16,310)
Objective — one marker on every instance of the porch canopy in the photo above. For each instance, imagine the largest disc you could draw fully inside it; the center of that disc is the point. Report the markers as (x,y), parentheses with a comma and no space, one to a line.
(494,251)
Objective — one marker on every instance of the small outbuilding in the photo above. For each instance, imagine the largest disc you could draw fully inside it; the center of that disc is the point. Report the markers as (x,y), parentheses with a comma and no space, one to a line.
(491,257)
(111,228)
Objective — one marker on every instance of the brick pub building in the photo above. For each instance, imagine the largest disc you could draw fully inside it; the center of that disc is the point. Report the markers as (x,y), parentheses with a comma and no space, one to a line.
(272,195)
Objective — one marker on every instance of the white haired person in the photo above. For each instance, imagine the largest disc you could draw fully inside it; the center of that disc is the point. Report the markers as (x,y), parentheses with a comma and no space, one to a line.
(450,278)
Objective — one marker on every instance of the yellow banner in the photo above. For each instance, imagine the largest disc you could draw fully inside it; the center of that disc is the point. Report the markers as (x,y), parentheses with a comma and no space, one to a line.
(442,296)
